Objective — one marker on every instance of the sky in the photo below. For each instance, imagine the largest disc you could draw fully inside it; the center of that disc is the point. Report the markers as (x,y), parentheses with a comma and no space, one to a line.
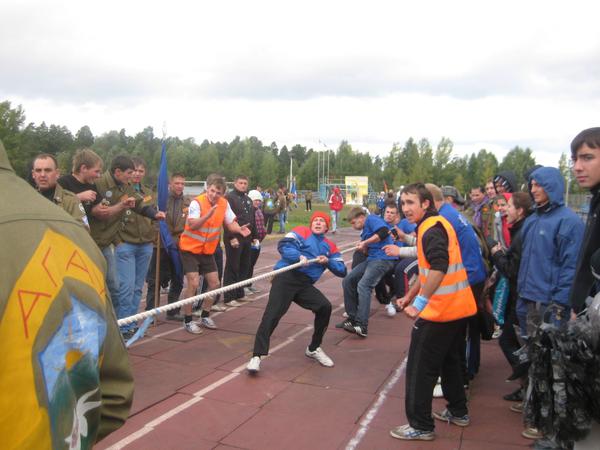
(490,75)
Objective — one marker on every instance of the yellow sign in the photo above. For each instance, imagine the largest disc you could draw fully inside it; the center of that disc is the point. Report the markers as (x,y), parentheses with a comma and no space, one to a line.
(357,189)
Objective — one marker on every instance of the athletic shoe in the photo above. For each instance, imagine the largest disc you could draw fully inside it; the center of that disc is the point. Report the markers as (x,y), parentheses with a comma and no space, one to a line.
(408,433)
(192,327)
(447,416)
(517,407)
(218,308)
(516,396)
(233,303)
(254,290)
(248,292)
(390,310)
(437,391)
(497,332)
(360,330)
(254,365)
(346,325)
(207,322)
(320,356)
(532,433)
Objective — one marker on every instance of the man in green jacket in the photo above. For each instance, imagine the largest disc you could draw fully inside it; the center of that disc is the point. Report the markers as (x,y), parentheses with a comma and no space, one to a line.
(65,376)
(118,197)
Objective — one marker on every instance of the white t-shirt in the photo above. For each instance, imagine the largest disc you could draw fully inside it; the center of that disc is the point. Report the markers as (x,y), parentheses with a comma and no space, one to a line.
(195,212)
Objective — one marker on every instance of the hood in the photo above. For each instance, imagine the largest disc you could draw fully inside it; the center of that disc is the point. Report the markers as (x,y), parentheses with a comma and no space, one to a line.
(551,180)
(510,180)
(336,190)
(4,163)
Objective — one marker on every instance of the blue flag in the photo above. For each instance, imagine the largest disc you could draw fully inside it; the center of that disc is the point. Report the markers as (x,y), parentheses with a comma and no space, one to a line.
(163,196)
(293,187)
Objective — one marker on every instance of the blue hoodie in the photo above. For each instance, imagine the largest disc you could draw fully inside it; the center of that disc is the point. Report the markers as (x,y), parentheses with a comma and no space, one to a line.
(551,240)
(468,242)
(302,242)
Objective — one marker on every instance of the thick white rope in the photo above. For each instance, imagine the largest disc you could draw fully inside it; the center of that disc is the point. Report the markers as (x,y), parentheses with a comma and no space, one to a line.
(230,287)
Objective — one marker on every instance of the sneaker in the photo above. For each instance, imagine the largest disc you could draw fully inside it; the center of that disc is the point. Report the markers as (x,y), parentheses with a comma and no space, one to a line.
(516,396)
(346,325)
(360,330)
(248,292)
(408,433)
(320,356)
(254,364)
(447,416)
(532,433)
(497,332)
(233,303)
(437,391)
(128,334)
(218,308)
(192,327)
(254,290)
(517,407)
(390,310)
(207,322)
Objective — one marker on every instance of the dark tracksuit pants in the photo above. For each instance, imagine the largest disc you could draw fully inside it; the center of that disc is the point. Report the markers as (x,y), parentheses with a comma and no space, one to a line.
(236,268)
(166,274)
(434,349)
(471,354)
(288,287)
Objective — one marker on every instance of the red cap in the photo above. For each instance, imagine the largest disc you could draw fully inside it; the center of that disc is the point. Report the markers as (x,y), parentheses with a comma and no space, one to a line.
(323,216)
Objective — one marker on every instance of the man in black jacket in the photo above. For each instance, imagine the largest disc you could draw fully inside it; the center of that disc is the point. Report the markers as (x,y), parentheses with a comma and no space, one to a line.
(238,248)
(585,152)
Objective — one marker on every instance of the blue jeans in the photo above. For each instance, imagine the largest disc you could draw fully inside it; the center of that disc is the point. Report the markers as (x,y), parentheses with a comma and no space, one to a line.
(334,217)
(112,282)
(132,267)
(282,218)
(358,286)
(531,314)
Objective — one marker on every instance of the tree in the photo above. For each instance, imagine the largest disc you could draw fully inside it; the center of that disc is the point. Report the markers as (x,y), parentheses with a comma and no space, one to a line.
(84,137)
(518,160)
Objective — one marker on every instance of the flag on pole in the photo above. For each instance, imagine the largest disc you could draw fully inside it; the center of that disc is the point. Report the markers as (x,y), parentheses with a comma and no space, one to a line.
(293,187)
(163,196)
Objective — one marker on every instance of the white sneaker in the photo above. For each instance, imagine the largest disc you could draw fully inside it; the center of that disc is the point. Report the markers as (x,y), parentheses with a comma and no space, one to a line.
(233,303)
(497,332)
(320,356)
(248,292)
(218,308)
(390,310)
(192,327)
(254,365)
(207,322)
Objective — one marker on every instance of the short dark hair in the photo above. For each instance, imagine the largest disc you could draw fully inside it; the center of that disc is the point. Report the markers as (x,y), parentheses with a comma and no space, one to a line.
(523,200)
(355,212)
(392,205)
(46,156)
(216,180)
(177,175)
(121,162)
(589,137)
(422,192)
(241,177)
(479,188)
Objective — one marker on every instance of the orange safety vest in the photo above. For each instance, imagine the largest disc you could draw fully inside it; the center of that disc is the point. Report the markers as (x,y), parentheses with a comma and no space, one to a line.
(453,299)
(204,240)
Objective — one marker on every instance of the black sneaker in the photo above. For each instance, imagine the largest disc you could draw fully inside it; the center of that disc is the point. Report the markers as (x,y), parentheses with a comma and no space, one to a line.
(516,396)
(345,325)
(360,330)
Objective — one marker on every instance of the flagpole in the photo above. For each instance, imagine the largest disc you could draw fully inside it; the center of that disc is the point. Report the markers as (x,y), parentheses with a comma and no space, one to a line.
(158,245)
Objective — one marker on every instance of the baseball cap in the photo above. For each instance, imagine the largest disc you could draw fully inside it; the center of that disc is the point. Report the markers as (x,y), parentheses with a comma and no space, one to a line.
(451,191)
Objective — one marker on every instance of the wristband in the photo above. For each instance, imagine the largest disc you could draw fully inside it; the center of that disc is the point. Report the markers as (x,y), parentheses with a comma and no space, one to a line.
(420,302)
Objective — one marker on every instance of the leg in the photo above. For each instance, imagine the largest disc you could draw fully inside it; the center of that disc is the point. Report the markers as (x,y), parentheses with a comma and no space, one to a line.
(193,281)
(232,270)
(112,282)
(357,258)
(451,373)
(125,264)
(349,284)
(282,292)
(313,299)
(142,260)
(212,279)
(405,270)
(151,281)
(375,270)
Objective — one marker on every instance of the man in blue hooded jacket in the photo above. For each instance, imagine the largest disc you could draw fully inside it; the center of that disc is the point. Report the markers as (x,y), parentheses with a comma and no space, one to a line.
(551,240)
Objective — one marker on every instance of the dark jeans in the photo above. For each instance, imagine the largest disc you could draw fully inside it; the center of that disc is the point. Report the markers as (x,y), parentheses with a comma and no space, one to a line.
(471,354)
(236,268)
(309,205)
(434,349)
(166,276)
(381,290)
(508,341)
(254,254)
(288,287)
(269,218)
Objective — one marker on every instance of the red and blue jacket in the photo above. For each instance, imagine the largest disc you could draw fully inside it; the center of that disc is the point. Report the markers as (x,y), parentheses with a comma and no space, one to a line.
(302,242)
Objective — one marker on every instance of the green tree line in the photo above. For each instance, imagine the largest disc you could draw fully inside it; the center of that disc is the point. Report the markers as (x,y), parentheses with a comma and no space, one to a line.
(266,165)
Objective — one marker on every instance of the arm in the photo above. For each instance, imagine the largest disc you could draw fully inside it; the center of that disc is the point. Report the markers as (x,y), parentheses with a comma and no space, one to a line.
(378,236)
(102,211)
(289,248)
(569,240)
(336,265)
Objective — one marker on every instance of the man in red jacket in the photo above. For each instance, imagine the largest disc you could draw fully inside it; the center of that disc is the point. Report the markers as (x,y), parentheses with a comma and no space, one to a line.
(336,203)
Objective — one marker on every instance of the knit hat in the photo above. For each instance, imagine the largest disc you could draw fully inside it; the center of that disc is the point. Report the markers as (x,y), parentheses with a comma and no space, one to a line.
(323,216)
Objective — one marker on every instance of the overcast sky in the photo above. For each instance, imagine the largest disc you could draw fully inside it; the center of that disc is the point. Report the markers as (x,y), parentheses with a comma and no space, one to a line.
(485,74)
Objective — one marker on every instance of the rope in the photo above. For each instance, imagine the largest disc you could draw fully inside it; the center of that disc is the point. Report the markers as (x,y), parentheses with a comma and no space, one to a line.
(221,290)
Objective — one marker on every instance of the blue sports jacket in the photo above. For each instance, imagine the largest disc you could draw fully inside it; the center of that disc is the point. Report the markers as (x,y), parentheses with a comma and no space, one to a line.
(551,241)
(302,242)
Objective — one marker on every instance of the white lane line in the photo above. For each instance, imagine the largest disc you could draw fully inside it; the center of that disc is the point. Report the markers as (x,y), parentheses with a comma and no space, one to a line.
(364,424)
(197,396)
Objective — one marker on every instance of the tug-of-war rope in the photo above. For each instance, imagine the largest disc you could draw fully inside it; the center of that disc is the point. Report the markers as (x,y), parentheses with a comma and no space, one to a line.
(148,316)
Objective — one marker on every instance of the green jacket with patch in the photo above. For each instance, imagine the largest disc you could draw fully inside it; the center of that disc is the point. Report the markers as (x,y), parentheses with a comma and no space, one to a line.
(135,228)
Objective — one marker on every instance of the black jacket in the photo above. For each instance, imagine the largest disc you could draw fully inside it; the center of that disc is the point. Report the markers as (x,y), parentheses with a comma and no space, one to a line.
(242,207)
(583,282)
(507,262)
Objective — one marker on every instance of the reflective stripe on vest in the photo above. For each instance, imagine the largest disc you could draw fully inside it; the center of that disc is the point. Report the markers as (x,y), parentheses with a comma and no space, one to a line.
(453,299)
(204,240)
